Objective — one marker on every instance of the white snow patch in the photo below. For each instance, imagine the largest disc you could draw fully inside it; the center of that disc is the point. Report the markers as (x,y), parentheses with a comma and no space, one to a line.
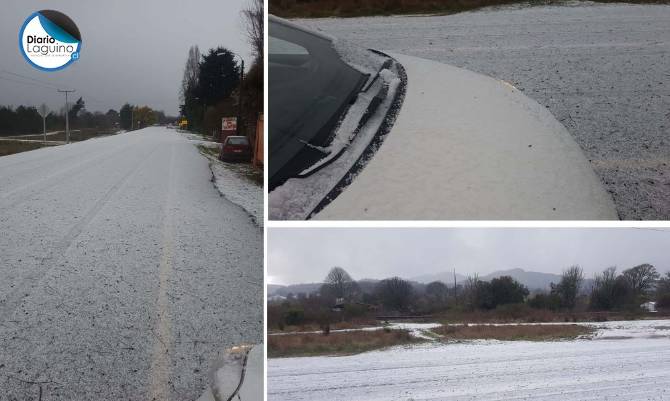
(232,184)
(615,370)
(415,329)
(239,190)
(361,59)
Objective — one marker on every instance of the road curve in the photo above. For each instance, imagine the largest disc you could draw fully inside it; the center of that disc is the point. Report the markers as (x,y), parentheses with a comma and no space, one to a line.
(123,273)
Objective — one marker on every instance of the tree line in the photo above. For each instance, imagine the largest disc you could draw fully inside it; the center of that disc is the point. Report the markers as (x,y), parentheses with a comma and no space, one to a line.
(610,291)
(211,87)
(26,120)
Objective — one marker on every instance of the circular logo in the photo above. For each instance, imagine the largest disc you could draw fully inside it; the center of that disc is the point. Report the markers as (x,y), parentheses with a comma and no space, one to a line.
(49,40)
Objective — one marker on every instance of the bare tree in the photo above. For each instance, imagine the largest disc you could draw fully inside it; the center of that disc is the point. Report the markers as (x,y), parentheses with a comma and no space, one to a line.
(471,291)
(253,15)
(641,278)
(191,70)
(437,291)
(663,291)
(395,293)
(339,284)
(568,288)
(609,291)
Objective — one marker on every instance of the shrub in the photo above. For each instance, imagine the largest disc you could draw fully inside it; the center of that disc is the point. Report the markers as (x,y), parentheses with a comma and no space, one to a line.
(294,317)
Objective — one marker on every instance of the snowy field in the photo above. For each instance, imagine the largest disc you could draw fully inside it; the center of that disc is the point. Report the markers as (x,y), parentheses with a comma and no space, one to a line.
(622,361)
(602,70)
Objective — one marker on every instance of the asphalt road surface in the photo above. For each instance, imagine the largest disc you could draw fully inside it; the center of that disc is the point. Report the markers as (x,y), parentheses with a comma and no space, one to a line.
(123,272)
(602,70)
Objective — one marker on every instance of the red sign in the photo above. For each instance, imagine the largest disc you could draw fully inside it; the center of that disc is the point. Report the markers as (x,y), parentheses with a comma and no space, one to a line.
(229,124)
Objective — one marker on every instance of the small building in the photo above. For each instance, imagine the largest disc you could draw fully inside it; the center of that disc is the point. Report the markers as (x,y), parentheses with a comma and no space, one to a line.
(649,307)
(339,305)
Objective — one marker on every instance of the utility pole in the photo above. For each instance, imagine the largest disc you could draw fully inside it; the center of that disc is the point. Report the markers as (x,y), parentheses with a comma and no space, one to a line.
(67,115)
(132,117)
(455,292)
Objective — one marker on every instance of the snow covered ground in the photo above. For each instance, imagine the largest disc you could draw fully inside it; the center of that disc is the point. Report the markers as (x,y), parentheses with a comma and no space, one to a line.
(630,361)
(123,272)
(414,328)
(602,70)
(233,184)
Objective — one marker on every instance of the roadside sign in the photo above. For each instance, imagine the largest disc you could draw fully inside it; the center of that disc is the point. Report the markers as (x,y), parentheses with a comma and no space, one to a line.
(229,124)
(43,110)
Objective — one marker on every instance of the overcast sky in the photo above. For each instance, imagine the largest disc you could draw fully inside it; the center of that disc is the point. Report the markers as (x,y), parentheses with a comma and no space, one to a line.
(302,255)
(132,51)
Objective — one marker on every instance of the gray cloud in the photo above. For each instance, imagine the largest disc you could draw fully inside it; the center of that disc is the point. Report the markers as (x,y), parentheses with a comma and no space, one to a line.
(298,255)
(132,51)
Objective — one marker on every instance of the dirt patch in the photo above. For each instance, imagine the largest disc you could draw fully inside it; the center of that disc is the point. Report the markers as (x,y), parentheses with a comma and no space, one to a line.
(513,332)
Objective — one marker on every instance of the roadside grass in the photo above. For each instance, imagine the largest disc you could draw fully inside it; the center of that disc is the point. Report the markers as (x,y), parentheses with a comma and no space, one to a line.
(347,343)
(245,170)
(346,325)
(209,151)
(75,135)
(16,144)
(513,332)
(520,313)
(360,8)
(8,147)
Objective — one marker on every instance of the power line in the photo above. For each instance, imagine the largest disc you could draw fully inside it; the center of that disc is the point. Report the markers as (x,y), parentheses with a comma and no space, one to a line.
(30,78)
(27,83)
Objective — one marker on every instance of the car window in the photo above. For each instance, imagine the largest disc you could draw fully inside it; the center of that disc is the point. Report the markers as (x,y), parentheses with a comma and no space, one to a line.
(282,47)
(237,141)
(309,87)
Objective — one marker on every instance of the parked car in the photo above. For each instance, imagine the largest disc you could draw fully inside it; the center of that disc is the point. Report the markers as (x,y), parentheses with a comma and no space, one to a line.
(362,134)
(236,148)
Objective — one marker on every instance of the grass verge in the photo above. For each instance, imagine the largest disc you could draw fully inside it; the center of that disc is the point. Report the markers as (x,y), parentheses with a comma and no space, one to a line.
(520,313)
(345,325)
(75,135)
(347,343)
(360,8)
(513,332)
(8,147)
(245,170)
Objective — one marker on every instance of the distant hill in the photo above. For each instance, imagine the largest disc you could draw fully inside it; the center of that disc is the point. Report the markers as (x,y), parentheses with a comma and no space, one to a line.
(532,280)
(295,289)
(445,277)
(274,287)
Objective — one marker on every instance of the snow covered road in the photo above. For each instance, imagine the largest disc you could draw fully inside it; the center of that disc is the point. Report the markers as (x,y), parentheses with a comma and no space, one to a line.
(602,70)
(123,272)
(632,364)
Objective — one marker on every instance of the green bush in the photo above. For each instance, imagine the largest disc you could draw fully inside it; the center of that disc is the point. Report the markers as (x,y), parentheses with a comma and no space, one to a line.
(294,317)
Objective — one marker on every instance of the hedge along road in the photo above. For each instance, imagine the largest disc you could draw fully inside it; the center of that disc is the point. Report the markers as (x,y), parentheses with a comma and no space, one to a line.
(602,70)
(123,272)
